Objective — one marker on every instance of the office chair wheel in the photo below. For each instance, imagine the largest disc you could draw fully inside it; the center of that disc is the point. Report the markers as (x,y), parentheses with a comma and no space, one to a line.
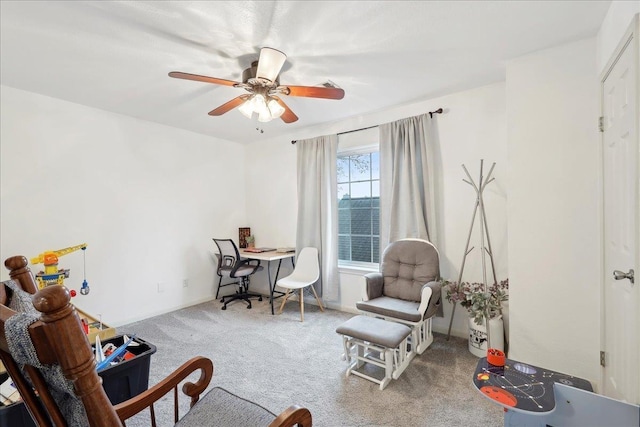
(249,306)
(260,299)
(224,307)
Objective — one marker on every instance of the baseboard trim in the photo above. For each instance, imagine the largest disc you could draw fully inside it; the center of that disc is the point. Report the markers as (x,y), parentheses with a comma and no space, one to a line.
(338,307)
(311,301)
(163,311)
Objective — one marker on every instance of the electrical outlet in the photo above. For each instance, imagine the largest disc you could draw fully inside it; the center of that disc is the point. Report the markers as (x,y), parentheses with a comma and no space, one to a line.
(160,287)
(185,283)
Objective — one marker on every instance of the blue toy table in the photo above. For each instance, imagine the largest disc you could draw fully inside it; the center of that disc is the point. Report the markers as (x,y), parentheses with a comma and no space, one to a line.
(539,397)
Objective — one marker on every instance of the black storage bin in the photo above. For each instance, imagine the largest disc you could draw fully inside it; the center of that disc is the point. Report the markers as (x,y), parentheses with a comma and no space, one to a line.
(129,377)
(16,414)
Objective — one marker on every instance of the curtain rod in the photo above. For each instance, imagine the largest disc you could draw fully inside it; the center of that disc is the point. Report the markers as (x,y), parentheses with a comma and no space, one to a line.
(431,113)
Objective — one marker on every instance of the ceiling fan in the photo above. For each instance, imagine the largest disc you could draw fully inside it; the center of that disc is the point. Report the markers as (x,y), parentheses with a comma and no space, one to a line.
(262,82)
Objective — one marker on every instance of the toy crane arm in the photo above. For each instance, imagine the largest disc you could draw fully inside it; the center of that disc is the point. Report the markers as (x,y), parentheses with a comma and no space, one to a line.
(65,251)
(38,259)
(43,257)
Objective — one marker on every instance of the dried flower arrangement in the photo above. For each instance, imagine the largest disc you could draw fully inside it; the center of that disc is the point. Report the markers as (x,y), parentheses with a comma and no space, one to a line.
(473,297)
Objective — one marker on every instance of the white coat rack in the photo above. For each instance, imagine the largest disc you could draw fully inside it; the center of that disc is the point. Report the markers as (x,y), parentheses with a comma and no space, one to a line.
(484,236)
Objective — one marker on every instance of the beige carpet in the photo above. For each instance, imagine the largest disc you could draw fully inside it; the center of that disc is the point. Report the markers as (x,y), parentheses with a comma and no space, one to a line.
(277,361)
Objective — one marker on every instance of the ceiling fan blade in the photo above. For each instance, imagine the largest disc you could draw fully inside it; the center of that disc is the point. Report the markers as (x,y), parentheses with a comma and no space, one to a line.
(314,92)
(198,78)
(228,106)
(288,116)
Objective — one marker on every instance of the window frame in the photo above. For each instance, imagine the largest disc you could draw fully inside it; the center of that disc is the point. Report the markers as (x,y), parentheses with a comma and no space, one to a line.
(359,266)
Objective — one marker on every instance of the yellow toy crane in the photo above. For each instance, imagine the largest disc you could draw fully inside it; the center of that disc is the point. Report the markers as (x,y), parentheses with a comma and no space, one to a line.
(51,274)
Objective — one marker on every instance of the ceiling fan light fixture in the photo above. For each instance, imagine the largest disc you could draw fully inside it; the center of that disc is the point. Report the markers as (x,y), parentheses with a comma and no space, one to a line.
(264,117)
(269,64)
(247,108)
(264,109)
(260,105)
(276,109)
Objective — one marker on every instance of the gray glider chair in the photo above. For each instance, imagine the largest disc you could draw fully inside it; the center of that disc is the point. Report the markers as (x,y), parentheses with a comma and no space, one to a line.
(407,289)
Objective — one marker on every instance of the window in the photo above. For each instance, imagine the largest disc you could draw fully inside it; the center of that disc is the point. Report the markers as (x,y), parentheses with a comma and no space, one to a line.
(358,208)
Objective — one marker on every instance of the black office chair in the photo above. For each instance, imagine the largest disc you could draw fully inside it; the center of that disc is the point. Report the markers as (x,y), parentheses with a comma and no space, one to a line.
(231,265)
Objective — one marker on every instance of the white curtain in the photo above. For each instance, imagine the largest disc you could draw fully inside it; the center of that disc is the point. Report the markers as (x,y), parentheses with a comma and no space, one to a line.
(317,208)
(407,207)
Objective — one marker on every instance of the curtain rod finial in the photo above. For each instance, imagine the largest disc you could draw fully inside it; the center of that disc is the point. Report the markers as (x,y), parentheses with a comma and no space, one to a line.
(438,111)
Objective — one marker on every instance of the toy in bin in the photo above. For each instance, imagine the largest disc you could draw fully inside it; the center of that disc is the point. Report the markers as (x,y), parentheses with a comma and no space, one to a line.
(109,354)
(130,375)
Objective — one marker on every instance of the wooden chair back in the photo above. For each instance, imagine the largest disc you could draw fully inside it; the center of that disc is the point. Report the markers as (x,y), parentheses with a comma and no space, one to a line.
(59,339)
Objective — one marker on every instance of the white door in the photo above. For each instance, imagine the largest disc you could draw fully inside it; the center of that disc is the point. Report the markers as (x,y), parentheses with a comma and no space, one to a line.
(621,317)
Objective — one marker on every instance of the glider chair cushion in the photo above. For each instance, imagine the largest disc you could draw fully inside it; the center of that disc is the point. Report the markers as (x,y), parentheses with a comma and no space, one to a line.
(230,410)
(407,288)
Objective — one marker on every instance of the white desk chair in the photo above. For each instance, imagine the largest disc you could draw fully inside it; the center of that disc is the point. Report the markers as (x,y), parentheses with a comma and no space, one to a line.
(305,273)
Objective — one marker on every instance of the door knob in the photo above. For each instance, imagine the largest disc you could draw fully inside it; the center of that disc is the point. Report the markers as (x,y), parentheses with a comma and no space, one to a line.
(619,275)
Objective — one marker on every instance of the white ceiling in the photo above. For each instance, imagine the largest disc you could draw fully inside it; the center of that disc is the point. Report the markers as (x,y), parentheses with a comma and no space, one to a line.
(116,55)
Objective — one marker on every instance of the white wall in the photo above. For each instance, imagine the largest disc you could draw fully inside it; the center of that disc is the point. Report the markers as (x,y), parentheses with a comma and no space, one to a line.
(473,127)
(146,198)
(614,26)
(554,264)
(271,201)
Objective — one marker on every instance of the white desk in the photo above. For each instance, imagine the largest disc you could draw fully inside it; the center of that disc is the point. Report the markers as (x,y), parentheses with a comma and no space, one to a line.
(269,257)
